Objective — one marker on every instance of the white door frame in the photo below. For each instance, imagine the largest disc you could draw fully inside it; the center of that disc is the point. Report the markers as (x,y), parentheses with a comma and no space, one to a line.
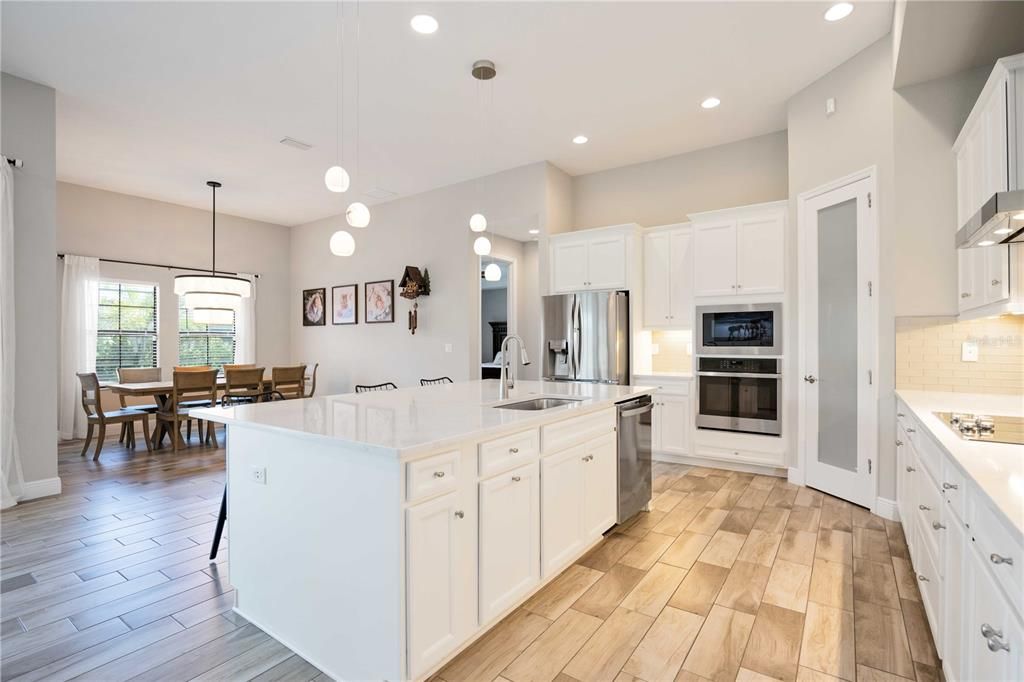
(867,271)
(511,302)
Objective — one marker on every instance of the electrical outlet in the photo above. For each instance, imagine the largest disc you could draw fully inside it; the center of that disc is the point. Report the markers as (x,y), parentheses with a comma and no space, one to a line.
(969,351)
(259,475)
(830,106)
(447,348)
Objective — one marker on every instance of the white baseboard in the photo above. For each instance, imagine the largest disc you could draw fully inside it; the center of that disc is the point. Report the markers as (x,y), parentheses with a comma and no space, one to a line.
(886,509)
(795,476)
(45,487)
(717,464)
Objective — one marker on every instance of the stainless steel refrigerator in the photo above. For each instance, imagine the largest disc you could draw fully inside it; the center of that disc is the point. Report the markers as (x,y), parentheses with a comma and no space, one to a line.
(586,337)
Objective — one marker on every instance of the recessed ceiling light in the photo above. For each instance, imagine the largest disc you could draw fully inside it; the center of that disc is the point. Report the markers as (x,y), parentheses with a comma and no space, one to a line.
(711,103)
(580,139)
(1018,216)
(838,11)
(1002,230)
(423,23)
(534,231)
(987,242)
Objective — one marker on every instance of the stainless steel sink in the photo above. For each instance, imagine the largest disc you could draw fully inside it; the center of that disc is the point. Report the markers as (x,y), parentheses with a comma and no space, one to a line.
(538,404)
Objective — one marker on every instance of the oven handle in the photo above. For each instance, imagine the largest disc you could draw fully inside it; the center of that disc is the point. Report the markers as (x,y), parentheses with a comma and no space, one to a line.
(739,375)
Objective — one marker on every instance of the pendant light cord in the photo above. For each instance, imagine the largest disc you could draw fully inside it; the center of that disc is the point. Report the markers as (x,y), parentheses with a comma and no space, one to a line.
(214,250)
(339,79)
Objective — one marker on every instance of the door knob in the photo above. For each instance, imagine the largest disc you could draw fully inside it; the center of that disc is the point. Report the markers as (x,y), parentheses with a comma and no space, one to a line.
(810,378)
(989,631)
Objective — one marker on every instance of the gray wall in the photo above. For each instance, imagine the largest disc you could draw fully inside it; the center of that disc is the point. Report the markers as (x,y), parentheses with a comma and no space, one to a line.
(29,133)
(664,191)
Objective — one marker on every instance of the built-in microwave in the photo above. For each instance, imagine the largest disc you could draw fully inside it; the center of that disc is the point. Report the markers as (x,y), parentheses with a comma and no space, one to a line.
(739,329)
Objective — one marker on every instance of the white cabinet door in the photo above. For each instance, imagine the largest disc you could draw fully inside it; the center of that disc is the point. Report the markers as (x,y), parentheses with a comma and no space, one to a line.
(973,265)
(435,533)
(569,265)
(953,600)
(561,503)
(905,472)
(715,262)
(600,486)
(656,420)
(674,419)
(760,254)
(680,279)
(606,262)
(997,272)
(657,277)
(994,171)
(509,539)
(986,610)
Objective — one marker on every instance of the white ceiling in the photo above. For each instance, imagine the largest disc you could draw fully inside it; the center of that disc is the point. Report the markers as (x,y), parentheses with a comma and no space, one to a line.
(156,98)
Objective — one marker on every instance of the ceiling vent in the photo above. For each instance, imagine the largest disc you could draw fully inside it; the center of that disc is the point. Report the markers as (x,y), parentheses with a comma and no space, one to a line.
(297,144)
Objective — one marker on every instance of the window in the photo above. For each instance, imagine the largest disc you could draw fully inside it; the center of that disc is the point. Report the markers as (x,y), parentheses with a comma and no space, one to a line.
(127,328)
(212,345)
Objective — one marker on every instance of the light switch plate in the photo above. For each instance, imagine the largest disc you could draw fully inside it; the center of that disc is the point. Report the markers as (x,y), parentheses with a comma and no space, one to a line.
(969,351)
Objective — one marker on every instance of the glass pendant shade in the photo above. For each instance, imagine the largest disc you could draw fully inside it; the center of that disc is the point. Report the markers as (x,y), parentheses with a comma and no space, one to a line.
(482,246)
(212,284)
(477,222)
(358,215)
(210,299)
(342,243)
(492,273)
(213,315)
(336,179)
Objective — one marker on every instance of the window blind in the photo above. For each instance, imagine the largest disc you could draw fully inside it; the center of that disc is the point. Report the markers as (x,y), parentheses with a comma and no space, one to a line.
(210,345)
(126,329)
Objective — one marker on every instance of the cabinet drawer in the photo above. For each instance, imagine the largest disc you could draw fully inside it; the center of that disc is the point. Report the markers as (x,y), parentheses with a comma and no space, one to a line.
(742,456)
(564,434)
(508,452)
(930,583)
(953,488)
(1002,553)
(928,453)
(929,517)
(432,475)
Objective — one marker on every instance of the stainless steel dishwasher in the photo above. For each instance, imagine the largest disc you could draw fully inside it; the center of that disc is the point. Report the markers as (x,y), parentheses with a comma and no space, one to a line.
(634,429)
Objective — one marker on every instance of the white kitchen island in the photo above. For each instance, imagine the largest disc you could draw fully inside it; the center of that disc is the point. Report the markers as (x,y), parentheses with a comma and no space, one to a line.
(379,534)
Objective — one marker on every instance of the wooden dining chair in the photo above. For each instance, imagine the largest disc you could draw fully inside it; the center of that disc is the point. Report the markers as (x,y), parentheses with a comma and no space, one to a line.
(289,382)
(199,422)
(135,375)
(312,381)
(435,382)
(242,384)
(367,388)
(244,366)
(96,416)
(190,389)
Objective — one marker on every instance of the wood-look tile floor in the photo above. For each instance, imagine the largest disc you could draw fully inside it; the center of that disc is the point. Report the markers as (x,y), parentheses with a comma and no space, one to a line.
(730,577)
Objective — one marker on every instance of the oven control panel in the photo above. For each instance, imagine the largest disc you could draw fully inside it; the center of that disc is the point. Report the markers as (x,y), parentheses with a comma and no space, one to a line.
(739,365)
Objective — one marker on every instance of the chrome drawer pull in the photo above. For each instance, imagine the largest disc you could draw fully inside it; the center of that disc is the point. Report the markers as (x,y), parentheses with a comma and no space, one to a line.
(923,579)
(910,430)
(923,508)
(899,443)
(900,415)
(516,479)
(995,645)
(996,559)
(438,474)
(938,526)
(460,515)
(950,486)
(588,458)
(995,282)
(514,451)
(911,469)
(989,631)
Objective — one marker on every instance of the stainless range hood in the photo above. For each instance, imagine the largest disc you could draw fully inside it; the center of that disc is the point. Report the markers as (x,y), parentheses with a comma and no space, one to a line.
(999,221)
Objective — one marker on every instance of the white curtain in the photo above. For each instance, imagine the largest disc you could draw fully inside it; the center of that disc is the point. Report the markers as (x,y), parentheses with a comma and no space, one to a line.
(11,482)
(79,320)
(245,326)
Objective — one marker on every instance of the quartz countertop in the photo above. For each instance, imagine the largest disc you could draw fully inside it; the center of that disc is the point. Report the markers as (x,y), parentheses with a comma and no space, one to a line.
(422,418)
(997,469)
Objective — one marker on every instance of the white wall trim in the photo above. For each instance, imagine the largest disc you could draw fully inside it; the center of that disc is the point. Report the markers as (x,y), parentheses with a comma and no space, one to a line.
(886,508)
(796,476)
(44,487)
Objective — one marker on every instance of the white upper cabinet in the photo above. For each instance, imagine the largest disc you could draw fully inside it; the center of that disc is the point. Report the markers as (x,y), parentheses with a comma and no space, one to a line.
(740,250)
(989,154)
(591,259)
(668,277)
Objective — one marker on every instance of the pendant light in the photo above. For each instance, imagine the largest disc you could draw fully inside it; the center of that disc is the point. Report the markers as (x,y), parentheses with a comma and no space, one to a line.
(492,273)
(336,178)
(212,296)
(357,214)
(483,70)
(482,246)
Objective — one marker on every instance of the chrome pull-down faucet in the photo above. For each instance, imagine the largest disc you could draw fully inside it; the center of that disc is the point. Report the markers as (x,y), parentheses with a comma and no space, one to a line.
(507,380)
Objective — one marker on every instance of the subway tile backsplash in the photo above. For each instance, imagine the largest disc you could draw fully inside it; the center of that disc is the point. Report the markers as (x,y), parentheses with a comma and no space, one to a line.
(928,354)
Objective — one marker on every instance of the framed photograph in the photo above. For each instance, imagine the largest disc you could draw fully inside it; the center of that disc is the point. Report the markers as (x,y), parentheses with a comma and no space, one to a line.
(345,304)
(314,307)
(380,301)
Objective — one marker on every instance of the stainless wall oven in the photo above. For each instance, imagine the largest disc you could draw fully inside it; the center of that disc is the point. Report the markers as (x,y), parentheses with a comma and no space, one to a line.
(739,329)
(739,394)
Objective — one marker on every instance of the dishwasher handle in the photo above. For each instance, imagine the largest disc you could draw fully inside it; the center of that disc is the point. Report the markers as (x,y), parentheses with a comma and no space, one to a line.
(645,406)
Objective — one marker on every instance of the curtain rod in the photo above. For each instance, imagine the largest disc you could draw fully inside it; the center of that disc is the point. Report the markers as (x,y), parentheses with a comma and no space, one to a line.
(161,265)
(17,163)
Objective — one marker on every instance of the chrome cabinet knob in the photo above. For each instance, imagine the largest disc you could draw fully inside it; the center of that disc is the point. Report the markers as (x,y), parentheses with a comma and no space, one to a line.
(910,430)
(588,458)
(911,469)
(516,479)
(923,508)
(899,443)
(438,474)
(922,578)
(950,486)
(460,514)
(996,559)
(900,415)
(996,282)
(938,526)
(996,645)
(965,295)
(989,631)
(514,451)
(810,378)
